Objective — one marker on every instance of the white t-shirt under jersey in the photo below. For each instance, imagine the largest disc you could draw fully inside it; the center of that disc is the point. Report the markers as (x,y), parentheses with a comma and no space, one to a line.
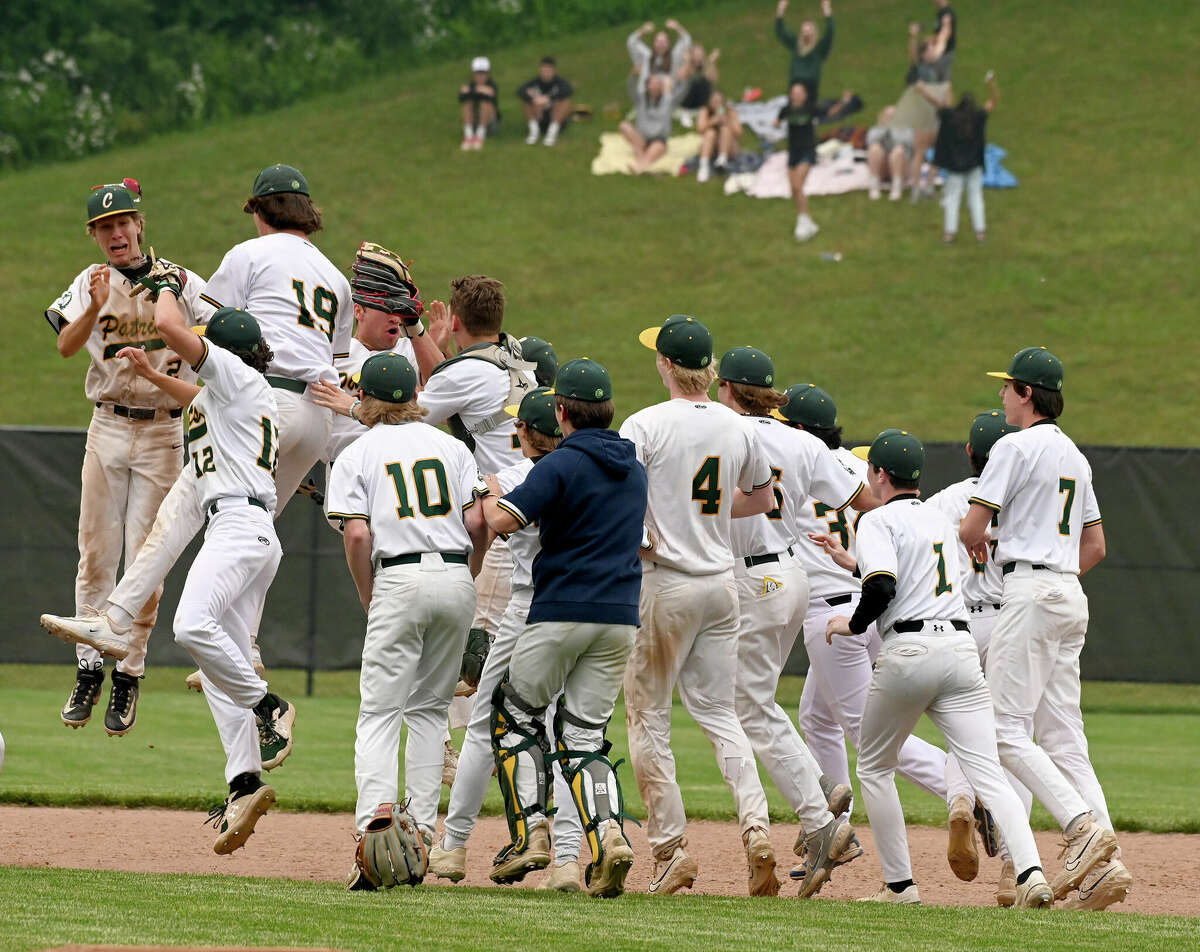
(299,298)
(412,482)
(1041,485)
(918,546)
(526,542)
(825,577)
(232,434)
(696,455)
(127,321)
(982,582)
(345,430)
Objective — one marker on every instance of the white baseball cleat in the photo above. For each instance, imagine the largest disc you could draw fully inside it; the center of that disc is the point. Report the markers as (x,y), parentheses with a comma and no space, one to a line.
(448,864)
(676,872)
(1085,845)
(562,878)
(1105,885)
(1035,892)
(961,850)
(92,630)
(906,897)
(235,819)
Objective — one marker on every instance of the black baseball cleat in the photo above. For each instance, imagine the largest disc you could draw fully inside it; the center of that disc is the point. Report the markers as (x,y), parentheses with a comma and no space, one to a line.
(275,717)
(986,825)
(78,709)
(122,704)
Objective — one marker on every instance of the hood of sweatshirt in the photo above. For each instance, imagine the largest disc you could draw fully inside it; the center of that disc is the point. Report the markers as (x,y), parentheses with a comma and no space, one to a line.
(610,451)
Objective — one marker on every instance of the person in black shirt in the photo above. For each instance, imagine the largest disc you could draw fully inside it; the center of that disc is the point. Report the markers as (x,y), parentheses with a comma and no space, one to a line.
(480,107)
(945,37)
(699,75)
(802,152)
(547,102)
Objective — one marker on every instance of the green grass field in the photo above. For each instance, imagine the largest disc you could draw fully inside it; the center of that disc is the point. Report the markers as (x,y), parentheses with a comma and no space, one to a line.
(1091,256)
(1145,743)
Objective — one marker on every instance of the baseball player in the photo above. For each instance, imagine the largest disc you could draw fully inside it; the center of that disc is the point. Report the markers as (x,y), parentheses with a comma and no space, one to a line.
(402,490)
(539,433)
(232,448)
(910,569)
(588,498)
(134,440)
(1039,487)
(772,589)
(705,468)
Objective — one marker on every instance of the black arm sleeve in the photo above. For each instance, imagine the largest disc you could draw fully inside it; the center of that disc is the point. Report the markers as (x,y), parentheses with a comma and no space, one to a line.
(877,593)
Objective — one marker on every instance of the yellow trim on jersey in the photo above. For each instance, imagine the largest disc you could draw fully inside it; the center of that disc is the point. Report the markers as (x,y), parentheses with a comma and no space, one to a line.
(880,572)
(767,483)
(470,504)
(341,356)
(1094,522)
(853,496)
(514,512)
(203,357)
(215,303)
(983,502)
(348,515)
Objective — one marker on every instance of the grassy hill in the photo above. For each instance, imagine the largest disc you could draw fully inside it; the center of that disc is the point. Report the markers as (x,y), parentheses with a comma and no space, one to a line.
(1093,256)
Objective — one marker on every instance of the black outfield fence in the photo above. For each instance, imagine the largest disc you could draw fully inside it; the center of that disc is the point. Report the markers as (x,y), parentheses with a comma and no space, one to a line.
(1144,604)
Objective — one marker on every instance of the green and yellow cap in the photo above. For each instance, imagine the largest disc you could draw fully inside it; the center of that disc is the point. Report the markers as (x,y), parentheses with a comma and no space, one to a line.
(1035,366)
(986,428)
(747,365)
(682,339)
(583,379)
(108,200)
(388,377)
(537,351)
(808,405)
(537,411)
(233,329)
(897,452)
(279,180)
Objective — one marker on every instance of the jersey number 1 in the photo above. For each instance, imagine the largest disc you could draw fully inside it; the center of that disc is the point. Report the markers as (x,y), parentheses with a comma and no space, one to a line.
(420,477)
(943,586)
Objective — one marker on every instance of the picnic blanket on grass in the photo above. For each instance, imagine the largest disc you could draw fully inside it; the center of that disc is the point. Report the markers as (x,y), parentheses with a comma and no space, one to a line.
(616,154)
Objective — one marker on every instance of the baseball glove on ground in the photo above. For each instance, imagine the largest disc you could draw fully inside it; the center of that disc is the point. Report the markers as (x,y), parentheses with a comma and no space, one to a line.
(162,276)
(474,656)
(392,851)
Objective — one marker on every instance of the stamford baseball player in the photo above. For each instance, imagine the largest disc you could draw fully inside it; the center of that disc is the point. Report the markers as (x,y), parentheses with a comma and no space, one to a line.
(539,433)
(928,665)
(772,589)
(403,489)
(135,439)
(232,449)
(588,498)
(1039,486)
(705,468)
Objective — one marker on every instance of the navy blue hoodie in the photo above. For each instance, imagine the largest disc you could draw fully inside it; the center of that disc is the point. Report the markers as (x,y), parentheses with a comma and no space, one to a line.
(588,498)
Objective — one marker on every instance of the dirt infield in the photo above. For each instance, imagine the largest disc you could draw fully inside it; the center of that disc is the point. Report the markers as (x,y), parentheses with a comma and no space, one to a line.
(318,847)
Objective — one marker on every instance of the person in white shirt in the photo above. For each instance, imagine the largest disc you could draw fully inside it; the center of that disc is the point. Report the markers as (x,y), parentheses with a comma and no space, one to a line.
(403,491)
(909,565)
(705,468)
(1039,487)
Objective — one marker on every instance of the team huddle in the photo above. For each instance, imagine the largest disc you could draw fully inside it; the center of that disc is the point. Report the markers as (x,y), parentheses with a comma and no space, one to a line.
(525,564)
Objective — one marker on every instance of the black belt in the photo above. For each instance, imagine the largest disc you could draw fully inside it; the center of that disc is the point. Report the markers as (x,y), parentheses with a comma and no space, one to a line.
(752,560)
(903,627)
(140,413)
(287,383)
(412,558)
(976,609)
(838,600)
(215,507)
(1009,567)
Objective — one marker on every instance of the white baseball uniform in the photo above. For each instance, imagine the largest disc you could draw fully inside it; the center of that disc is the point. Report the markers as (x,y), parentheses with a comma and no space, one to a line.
(476,762)
(345,430)
(831,703)
(928,665)
(1041,487)
(131,458)
(233,445)
(411,482)
(696,455)
(772,588)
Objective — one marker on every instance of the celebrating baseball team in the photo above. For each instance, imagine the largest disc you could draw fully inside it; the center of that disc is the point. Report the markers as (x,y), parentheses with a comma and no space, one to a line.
(522,565)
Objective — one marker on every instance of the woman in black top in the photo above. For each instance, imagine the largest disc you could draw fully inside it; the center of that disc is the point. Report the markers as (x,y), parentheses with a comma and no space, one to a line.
(802,152)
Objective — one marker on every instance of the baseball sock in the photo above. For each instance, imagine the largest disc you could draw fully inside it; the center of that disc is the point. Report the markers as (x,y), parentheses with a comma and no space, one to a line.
(244,783)
(480,132)
(552,130)
(1025,875)
(533,127)
(118,619)
(900,886)
(450,842)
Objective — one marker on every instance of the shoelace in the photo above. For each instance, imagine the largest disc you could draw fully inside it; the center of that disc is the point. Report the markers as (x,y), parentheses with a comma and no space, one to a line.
(122,698)
(83,692)
(216,815)
(268,736)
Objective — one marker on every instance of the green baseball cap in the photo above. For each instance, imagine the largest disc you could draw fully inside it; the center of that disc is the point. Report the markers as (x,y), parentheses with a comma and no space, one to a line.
(538,351)
(537,411)
(808,405)
(108,200)
(583,379)
(682,339)
(747,365)
(279,180)
(897,452)
(234,329)
(986,428)
(1035,366)
(388,377)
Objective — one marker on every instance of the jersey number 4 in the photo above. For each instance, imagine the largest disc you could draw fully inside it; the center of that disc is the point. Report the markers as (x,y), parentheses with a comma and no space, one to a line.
(706,486)
(324,308)
(421,471)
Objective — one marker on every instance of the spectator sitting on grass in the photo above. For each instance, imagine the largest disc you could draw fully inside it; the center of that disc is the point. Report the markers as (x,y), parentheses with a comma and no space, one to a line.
(648,133)
(889,151)
(720,130)
(913,111)
(664,56)
(699,75)
(547,102)
(480,108)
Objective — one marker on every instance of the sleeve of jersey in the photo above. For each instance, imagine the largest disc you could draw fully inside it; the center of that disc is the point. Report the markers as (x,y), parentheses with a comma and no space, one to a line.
(343,327)
(468,474)
(1091,507)
(199,309)
(831,480)
(443,397)
(756,473)
(877,564)
(535,495)
(69,305)
(225,376)
(228,284)
(347,495)
(995,485)
(631,430)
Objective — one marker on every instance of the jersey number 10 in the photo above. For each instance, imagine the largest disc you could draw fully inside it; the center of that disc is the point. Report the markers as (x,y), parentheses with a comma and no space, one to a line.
(421,471)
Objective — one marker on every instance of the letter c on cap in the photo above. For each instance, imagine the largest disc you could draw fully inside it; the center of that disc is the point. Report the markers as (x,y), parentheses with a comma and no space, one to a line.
(107,200)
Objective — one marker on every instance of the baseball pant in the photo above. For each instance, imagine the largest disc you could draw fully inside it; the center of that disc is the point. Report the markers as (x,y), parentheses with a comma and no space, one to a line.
(416,632)
(688,636)
(128,467)
(476,762)
(938,674)
(1033,671)
(493,587)
(219,610)
(772,600)
(835,690)
(304,430)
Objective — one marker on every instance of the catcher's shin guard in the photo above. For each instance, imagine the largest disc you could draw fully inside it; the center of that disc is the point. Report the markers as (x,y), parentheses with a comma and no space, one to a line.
(512,760)
(595,789)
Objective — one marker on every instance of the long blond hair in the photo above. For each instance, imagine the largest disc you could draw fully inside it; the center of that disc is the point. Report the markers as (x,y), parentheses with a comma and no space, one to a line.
(372,410)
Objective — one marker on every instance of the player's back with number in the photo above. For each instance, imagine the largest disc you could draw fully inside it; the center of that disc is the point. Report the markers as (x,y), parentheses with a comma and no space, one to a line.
(696,455)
